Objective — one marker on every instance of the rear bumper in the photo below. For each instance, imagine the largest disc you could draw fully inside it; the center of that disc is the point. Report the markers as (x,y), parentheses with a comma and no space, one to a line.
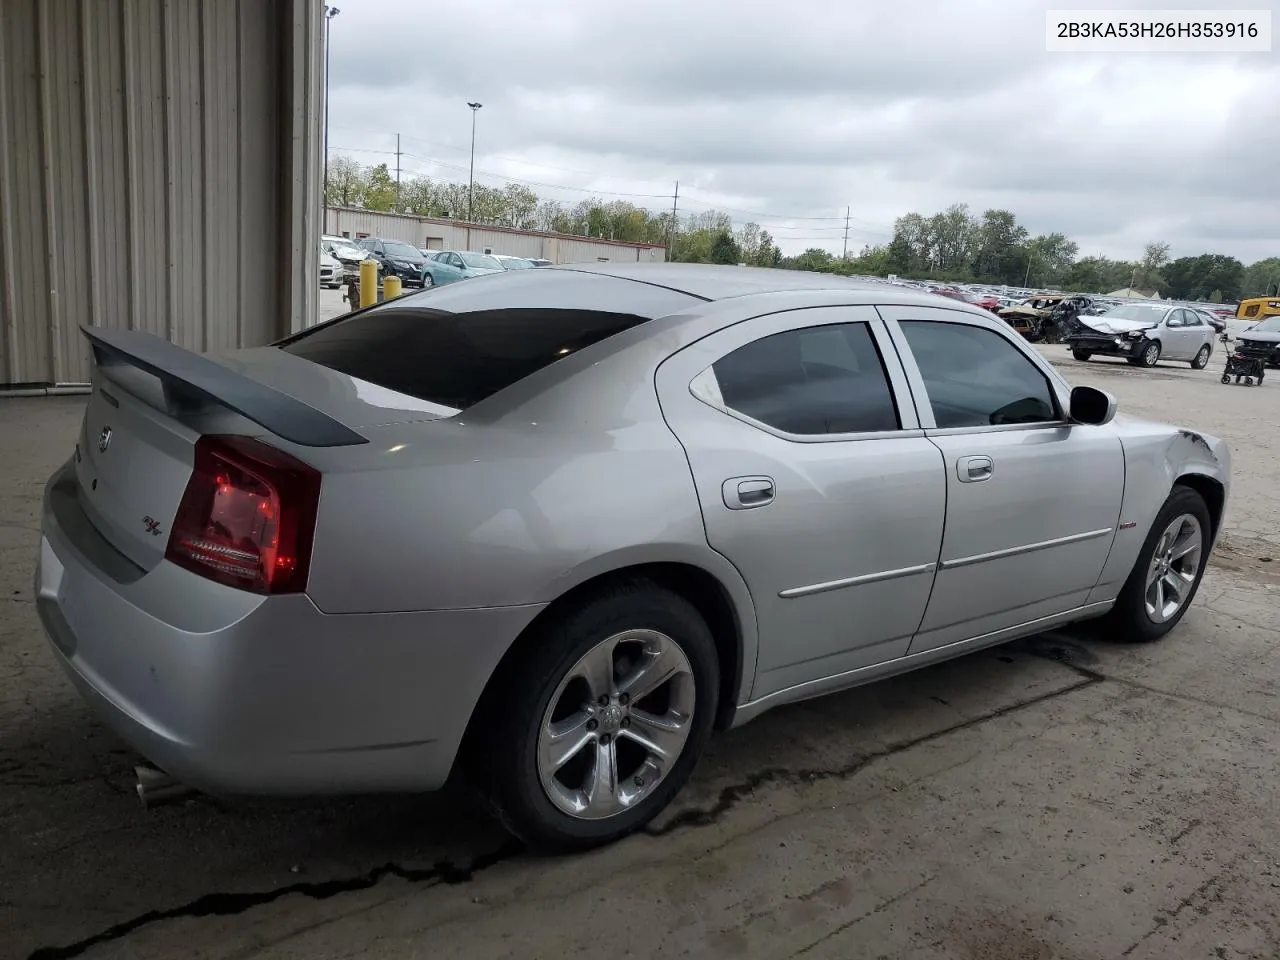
(237,693)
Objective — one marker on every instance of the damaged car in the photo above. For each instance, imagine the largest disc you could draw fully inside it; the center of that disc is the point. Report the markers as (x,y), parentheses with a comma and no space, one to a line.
(1144,334)
(1266,332)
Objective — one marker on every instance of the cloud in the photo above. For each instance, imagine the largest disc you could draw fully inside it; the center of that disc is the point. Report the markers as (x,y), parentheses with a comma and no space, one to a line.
(787,113)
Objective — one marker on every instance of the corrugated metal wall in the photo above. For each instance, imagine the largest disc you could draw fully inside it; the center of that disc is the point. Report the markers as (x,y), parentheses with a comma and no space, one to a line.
(423,232)
(155,174)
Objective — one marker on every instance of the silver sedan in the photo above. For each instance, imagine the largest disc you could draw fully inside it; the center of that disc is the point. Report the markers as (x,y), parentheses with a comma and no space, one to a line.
(551,528)
(1144,334)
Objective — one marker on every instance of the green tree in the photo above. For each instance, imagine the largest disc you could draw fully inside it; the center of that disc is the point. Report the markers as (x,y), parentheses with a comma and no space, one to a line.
(1147,276)
(815,258)
(997,255)
(1261,279)
(724,249)
(380,189)
(872,261)
(1196,278)
(1051,257)
(347,181)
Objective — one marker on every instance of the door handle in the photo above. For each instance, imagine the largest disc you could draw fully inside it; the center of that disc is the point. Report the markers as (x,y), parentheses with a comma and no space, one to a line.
(974,469)
(743,493)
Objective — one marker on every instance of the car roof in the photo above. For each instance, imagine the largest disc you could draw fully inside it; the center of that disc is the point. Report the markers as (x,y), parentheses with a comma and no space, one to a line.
(715,282)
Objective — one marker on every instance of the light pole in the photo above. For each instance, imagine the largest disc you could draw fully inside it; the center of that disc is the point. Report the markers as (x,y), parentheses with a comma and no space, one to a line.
(471,187)
(329,14)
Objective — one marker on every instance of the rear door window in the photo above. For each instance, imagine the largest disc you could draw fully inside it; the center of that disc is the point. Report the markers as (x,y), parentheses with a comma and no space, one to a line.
(814,380)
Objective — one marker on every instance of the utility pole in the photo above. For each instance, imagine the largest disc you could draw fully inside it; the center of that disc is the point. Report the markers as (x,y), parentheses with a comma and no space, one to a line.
(845,254)
(671,244)
(397,173)
(471,186)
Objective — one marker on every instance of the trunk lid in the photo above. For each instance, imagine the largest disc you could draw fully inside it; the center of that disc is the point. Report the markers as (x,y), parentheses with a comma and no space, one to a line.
(132,463)
(151,401)
(347,399)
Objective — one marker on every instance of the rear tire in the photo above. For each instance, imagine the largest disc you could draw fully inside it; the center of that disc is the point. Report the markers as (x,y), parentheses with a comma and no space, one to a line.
(1082,355)
(1202,358)
(1144,611)
(547,734)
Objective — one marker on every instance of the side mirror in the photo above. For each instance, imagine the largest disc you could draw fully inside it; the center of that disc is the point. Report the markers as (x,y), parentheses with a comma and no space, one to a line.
(1092,406)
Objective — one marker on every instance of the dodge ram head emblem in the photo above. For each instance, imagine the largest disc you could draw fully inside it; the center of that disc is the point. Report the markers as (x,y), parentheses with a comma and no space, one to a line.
(104,439)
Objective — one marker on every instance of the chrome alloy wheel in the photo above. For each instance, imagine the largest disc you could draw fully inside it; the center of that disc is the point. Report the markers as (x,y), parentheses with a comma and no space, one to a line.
(616,724)
(1174,567)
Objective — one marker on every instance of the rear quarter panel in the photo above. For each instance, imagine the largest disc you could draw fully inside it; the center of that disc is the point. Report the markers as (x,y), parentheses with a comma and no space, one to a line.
(566,475)
(1156,457)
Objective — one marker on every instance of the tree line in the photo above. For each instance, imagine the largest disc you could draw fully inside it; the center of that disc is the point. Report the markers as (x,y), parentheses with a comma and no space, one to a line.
(954,245)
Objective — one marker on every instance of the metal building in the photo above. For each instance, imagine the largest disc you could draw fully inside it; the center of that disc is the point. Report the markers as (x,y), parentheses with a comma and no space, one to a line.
(159,170)
(437,234)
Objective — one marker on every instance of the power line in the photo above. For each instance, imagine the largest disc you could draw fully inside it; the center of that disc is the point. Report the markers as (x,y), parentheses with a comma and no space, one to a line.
(774,222)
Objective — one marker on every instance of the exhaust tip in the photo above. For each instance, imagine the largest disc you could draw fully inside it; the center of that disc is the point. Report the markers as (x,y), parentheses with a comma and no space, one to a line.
(155,787)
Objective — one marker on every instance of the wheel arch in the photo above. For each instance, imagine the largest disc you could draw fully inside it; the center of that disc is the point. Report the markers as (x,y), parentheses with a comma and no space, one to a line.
(1212,492)
(714,599)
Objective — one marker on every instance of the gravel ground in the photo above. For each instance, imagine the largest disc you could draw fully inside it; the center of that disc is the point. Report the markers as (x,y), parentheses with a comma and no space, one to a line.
(1060,797)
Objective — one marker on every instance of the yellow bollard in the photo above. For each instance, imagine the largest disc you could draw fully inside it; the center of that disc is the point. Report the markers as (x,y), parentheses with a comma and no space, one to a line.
(368,282)
(390,288)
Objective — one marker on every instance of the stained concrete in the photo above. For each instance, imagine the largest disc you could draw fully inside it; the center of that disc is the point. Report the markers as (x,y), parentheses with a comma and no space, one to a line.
(1060,797)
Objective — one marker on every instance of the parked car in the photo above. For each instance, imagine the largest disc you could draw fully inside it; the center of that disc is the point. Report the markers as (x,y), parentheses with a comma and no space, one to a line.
(346,252)
(471,264)
(436,272)
(555,527)
(1145,333)
(513,263)
(1218,323)
(397,259)
(1265,331)
(984,301)
(330,270)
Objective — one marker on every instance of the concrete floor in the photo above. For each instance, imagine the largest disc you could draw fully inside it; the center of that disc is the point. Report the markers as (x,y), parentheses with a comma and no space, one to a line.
(1056,798)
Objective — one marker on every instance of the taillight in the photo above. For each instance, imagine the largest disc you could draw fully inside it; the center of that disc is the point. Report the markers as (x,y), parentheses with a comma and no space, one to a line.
(247,517)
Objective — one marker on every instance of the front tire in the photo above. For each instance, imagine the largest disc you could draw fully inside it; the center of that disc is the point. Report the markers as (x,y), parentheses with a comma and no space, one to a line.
(1081,355)
(1150,354)
(598,724)
(427,281)
(1168,570)
(1201,359)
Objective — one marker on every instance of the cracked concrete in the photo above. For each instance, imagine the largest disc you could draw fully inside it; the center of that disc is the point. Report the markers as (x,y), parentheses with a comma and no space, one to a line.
(1056,798)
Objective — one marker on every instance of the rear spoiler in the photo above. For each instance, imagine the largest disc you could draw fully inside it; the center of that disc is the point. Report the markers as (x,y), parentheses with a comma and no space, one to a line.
(190,380)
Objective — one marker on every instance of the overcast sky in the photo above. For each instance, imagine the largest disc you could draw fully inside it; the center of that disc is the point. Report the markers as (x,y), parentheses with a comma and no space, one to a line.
(786,112)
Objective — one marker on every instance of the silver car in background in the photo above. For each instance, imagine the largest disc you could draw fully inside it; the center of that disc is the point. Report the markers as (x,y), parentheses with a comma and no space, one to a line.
(1144,334)
(550,528)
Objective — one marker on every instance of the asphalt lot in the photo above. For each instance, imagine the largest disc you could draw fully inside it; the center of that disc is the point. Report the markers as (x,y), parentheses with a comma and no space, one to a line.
(1060,797)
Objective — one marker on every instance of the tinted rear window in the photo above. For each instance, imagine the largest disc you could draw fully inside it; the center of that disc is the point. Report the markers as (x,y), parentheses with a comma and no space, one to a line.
(456,346)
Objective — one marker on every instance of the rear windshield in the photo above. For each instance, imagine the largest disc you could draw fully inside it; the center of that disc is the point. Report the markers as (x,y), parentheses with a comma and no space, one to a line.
(456,346)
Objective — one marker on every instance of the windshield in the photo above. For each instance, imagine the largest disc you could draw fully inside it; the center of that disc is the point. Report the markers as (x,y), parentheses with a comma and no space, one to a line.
(479,260)
(1269,325)
(396,249)
(1142,313)
(515,263)
(348,250)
